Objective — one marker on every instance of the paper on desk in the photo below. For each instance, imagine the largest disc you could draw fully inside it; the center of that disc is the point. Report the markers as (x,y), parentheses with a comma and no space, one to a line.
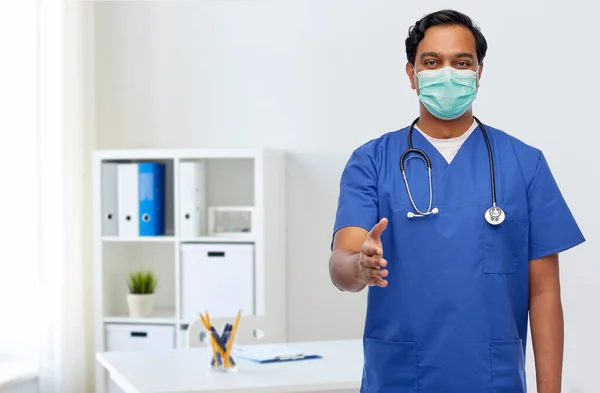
(273,353)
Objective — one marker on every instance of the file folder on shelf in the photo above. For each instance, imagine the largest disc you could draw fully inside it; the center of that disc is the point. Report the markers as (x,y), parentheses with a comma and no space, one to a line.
(109,198)
(151,189)
(192,199)
(128,205)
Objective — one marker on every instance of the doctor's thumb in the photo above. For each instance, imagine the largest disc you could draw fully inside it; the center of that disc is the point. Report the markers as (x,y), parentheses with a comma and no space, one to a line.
(378,229)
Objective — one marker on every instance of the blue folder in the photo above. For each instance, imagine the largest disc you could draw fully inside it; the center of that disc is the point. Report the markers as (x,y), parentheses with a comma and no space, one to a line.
(151,191)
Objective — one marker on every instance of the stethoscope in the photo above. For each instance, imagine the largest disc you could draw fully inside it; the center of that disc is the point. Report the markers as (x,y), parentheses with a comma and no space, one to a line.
(494,215)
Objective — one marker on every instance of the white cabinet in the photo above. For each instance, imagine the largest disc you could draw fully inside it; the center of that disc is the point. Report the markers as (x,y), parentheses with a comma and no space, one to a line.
(218,278)
(126,337)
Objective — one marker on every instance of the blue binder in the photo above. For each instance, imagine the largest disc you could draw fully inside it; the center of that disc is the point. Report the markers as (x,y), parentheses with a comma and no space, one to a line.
(151,190)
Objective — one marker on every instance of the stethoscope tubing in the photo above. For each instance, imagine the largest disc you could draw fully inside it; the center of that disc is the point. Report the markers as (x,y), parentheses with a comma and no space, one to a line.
(412,149)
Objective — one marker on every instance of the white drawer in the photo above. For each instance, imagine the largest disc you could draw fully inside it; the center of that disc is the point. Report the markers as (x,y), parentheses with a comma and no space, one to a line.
(218,278)
(139,337)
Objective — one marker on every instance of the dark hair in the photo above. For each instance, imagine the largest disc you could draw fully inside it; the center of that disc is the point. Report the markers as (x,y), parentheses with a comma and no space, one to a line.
(440,18)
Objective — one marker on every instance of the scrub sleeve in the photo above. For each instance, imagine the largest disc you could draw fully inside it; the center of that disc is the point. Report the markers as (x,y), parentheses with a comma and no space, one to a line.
(552,227)
(358,199)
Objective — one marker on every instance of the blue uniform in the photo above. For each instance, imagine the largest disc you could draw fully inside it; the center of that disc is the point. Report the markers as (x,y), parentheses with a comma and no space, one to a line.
(453,318)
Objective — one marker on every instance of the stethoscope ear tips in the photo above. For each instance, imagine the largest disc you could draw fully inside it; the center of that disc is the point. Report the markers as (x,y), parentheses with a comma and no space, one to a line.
(435,210)
(410,214)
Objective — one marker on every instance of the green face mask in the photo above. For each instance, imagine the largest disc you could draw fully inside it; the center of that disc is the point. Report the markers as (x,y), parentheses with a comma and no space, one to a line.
(447,92)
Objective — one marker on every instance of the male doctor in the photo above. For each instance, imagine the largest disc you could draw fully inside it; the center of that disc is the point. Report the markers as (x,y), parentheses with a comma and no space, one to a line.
(451,290)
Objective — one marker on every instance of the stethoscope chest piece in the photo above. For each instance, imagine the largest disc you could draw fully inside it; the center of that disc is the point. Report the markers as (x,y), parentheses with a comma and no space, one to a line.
(495,215)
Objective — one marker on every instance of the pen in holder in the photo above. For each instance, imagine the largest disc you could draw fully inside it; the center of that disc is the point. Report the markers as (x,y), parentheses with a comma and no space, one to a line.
(221,344)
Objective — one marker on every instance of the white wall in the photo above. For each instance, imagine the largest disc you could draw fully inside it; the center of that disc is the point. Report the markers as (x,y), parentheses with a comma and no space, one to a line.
(319,78)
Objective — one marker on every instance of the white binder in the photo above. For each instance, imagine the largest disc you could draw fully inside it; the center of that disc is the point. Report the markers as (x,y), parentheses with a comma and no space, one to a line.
(110,216)
(128,200)
(218,278)
(192,199)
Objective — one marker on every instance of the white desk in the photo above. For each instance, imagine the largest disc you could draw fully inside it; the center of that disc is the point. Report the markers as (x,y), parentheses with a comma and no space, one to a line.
(186,371)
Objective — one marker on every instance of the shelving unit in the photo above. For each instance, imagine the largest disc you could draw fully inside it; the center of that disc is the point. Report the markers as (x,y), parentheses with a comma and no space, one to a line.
(233,178)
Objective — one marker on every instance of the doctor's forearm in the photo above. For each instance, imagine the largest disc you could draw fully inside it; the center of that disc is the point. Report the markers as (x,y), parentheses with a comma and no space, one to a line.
(343,266)
(547,330)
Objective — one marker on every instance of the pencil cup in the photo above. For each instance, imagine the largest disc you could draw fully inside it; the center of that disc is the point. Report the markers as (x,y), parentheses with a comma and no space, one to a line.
(220,344)
(218,358)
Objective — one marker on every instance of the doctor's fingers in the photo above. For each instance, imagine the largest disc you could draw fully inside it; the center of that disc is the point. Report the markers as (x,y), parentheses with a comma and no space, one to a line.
(372,276)
(377,230)
(377,280)
(377,273)
(372,249)
(373,262)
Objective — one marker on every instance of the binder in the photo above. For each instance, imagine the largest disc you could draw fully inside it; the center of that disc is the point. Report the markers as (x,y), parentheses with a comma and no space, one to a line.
(192,199)
(128,206)
(109,206)
(151,191)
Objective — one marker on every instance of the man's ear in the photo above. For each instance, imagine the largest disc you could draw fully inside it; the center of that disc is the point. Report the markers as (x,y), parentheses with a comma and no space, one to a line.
(479,72)
(410,71)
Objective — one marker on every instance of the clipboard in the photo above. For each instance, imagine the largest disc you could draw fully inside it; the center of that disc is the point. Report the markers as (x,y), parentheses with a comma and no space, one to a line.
(273,354)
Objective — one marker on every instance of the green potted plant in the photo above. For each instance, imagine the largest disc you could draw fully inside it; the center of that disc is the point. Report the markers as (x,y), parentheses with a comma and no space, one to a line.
(140,298)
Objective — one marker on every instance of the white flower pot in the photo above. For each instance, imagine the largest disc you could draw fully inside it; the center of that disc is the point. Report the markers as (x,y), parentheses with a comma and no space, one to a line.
(140,305)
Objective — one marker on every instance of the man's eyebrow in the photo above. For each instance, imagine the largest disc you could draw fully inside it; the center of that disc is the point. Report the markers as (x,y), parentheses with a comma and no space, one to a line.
(429,54)
(464,54)
(456,56)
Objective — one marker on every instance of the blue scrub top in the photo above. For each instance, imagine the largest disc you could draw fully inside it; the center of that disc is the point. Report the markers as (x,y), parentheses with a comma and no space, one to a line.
(453,318)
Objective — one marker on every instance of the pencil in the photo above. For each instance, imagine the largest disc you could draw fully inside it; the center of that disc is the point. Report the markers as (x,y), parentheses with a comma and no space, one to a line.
(213,340)
(205,323)
(213,343)
(232,337)
(207,318)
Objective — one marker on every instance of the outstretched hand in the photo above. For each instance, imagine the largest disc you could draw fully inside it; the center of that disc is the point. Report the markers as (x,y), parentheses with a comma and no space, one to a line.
(371,264)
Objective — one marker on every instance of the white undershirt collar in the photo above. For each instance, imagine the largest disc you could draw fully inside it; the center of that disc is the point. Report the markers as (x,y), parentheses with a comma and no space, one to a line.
(450,146)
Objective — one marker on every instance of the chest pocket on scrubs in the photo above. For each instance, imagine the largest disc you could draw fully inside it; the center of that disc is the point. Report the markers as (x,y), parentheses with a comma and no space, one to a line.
(505,246)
